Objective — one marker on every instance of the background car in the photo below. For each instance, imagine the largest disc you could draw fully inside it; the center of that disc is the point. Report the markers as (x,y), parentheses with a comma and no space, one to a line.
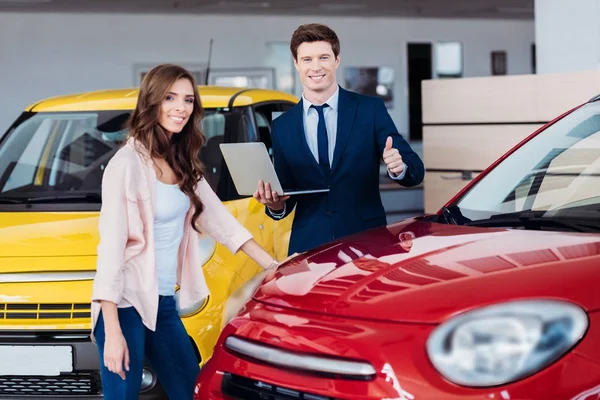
(494,297)
(51,164)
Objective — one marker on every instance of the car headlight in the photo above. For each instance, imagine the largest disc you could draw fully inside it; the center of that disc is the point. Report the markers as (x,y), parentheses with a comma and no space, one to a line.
(503,343)
(207,247)
(193,309)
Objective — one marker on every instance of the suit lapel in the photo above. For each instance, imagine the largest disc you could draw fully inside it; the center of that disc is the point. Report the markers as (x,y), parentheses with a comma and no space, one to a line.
(346,112)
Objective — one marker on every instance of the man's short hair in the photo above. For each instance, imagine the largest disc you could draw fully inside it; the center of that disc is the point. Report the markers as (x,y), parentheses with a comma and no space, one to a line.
(314,33)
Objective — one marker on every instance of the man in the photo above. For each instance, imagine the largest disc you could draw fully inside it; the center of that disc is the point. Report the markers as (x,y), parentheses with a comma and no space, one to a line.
(335,139)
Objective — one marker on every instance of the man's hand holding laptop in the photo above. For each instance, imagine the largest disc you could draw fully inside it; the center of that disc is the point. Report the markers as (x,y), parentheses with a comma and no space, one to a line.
(265,195)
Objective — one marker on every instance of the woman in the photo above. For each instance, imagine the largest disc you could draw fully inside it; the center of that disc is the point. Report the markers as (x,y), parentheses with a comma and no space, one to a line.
(154,200)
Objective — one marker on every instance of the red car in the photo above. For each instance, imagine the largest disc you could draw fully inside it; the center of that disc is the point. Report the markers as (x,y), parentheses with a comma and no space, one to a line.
(495,297)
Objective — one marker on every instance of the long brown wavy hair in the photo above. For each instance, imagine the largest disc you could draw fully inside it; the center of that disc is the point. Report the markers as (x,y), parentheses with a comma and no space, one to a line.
(182,150)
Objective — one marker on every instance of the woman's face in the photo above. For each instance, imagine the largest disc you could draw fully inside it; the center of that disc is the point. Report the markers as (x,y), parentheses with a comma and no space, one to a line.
(177,106)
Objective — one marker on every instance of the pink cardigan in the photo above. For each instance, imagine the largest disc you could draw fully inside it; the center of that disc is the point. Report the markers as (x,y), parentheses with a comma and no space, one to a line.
(126,272)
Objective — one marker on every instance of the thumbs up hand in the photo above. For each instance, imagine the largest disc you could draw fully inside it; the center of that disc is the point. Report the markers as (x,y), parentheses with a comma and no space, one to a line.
(392,158)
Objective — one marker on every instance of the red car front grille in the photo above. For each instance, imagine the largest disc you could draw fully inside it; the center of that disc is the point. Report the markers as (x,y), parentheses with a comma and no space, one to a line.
(240,388)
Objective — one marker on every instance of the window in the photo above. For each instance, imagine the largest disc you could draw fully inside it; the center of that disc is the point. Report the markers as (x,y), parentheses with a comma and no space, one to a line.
(264,115)
(213,127)
(261,78)
(280,59)
(448,60)
(234,125)
(198,71)
(241,81)
(498,63)
(59,154)
(372,81)
(557,173)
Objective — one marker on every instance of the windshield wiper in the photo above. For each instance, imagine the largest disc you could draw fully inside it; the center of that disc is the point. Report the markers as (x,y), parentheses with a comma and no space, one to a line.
(10,200)
(87,197)
(535,221)
(66,197)
(447,214)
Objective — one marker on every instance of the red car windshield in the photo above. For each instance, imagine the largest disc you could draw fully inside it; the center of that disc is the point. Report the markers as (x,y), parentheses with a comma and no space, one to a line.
(554,175)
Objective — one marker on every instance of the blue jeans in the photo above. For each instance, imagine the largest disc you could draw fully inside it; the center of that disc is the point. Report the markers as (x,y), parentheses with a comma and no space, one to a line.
(168,350)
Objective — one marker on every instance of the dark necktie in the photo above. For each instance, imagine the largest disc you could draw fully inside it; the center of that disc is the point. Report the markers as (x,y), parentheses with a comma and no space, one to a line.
(322,139)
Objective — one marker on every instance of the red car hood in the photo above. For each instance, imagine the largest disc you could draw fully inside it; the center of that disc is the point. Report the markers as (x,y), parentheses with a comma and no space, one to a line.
(425,272)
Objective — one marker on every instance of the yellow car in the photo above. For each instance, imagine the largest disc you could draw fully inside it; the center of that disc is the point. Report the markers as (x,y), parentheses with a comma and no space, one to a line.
(51,163)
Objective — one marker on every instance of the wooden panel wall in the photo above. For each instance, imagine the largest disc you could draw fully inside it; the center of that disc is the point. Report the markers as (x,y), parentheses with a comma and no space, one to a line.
(471,122)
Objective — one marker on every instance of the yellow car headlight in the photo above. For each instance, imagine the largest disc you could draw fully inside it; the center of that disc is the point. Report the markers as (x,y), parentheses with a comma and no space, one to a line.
(193,309)
(207,246)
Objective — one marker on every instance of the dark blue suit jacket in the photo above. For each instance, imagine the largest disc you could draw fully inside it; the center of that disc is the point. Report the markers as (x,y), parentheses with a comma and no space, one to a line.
(353,203)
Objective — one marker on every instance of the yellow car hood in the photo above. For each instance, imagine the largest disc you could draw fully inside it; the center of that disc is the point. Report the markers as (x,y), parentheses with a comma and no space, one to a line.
(48,241)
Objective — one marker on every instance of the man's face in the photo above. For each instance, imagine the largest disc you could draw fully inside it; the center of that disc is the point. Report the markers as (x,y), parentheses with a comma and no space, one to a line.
(316,65)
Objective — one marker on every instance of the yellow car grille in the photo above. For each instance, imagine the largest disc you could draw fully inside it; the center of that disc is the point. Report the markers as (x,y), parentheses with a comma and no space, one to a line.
(39,311)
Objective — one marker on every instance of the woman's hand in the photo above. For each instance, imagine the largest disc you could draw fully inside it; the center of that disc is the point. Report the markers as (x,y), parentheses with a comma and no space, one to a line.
(271,271)
(262,258)
(116,354)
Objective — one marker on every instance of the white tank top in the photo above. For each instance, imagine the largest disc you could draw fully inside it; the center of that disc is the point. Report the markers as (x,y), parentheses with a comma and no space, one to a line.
(172,206)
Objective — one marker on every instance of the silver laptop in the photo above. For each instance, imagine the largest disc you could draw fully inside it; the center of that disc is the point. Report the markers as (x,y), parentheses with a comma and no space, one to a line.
(250,162)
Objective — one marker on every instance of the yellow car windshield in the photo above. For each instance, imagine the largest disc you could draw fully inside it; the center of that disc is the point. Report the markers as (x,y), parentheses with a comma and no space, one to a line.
(59,158)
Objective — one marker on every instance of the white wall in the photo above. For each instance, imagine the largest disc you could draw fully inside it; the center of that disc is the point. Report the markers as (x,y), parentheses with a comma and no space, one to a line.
(567,35)
(45,55)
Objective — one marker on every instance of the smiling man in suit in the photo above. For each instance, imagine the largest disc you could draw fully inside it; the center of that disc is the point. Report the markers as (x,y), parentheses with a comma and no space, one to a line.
(335,139)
